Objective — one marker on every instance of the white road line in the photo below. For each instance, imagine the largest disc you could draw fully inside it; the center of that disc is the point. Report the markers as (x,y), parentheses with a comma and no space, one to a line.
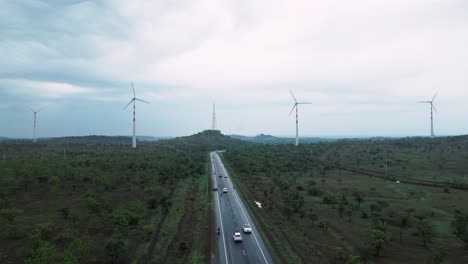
(242,209)
(222,228)
(243,252)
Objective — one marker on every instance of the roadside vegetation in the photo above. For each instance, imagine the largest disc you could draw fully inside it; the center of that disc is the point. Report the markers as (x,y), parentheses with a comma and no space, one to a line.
(95,200)
(359,201)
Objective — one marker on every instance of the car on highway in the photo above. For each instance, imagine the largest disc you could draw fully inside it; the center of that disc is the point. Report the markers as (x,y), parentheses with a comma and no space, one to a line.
(224,190)
(247,228)
(215,188)
(220,175)
(237,237)
(225,176)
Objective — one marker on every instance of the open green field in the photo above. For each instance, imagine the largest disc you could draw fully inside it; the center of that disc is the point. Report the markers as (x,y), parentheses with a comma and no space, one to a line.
(336,202)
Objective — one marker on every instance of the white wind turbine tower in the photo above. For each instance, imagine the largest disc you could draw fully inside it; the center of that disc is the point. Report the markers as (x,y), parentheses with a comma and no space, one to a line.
(431,102)
(213,125)
(296,105)
(35,120)
(134,99)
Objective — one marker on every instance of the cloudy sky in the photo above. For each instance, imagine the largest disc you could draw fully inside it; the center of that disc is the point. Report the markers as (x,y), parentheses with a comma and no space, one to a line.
(362,64)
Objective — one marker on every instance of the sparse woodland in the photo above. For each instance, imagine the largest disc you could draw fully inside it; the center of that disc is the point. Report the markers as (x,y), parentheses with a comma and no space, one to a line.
(95,200)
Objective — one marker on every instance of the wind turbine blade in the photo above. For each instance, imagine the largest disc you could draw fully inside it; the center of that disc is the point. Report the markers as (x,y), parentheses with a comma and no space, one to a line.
(134,94)
(434,96)
(295,105)
(295,100)
(40,109)
(304,103)
(433,107)
(30,108)
(425,102)
(129,103)
(142,101)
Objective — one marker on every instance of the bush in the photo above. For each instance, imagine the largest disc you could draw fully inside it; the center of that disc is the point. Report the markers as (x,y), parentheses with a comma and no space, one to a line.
(148,231)
(329,200)
(16,231)
(313,191)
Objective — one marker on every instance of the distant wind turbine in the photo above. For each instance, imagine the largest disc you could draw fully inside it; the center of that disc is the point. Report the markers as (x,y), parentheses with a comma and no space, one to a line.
(296,105)
(213,125)
(35,120)
(134,99)
(431,102)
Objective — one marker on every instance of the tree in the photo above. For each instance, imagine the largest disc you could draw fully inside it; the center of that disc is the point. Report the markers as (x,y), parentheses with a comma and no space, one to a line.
(10,214)
(76,252)
(425,231)
(403,224)
(165,204)
(376,240)
(42,252)
(116,248)
(354,260)
(341,210)
(460,226)
(358,197)
(293,200)
(324,225)
(438,255)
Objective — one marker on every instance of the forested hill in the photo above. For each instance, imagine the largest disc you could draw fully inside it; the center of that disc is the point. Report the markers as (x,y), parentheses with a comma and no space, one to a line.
(269,139)
(207,140)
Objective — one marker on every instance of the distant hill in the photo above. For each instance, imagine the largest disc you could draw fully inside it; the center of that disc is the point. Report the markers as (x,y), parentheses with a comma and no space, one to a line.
(207,140)
(269,139)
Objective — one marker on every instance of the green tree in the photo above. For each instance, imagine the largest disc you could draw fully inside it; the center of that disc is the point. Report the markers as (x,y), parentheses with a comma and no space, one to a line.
(460,226)
(354,260)
(376,240)
(10,214)
(77,252)
(42,252)
(358,197)
(425,231)
(438,255)
(116,248)
(294,200)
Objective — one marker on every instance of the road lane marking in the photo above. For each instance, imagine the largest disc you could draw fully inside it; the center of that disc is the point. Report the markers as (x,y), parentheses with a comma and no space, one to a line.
(242,209)
(243,252)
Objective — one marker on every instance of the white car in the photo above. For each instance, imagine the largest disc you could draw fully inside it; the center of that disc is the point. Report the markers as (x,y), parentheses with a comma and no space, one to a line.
(247,228)
(224,190)
(237,237)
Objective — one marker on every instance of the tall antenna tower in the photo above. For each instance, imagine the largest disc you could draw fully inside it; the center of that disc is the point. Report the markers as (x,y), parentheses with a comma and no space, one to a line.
(213,125)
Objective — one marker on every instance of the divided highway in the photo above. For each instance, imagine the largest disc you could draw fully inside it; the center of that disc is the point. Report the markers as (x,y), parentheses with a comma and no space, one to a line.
(231,215)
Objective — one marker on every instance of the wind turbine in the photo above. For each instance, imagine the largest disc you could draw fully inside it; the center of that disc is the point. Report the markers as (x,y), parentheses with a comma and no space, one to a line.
(213,126)
(431,102)
(35,118)
(296,105)
(134,99)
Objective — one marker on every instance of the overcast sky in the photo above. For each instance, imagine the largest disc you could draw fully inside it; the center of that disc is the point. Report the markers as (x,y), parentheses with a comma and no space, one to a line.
(362,64)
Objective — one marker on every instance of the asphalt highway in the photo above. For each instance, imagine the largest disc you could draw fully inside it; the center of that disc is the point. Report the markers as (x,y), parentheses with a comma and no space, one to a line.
(231,215)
